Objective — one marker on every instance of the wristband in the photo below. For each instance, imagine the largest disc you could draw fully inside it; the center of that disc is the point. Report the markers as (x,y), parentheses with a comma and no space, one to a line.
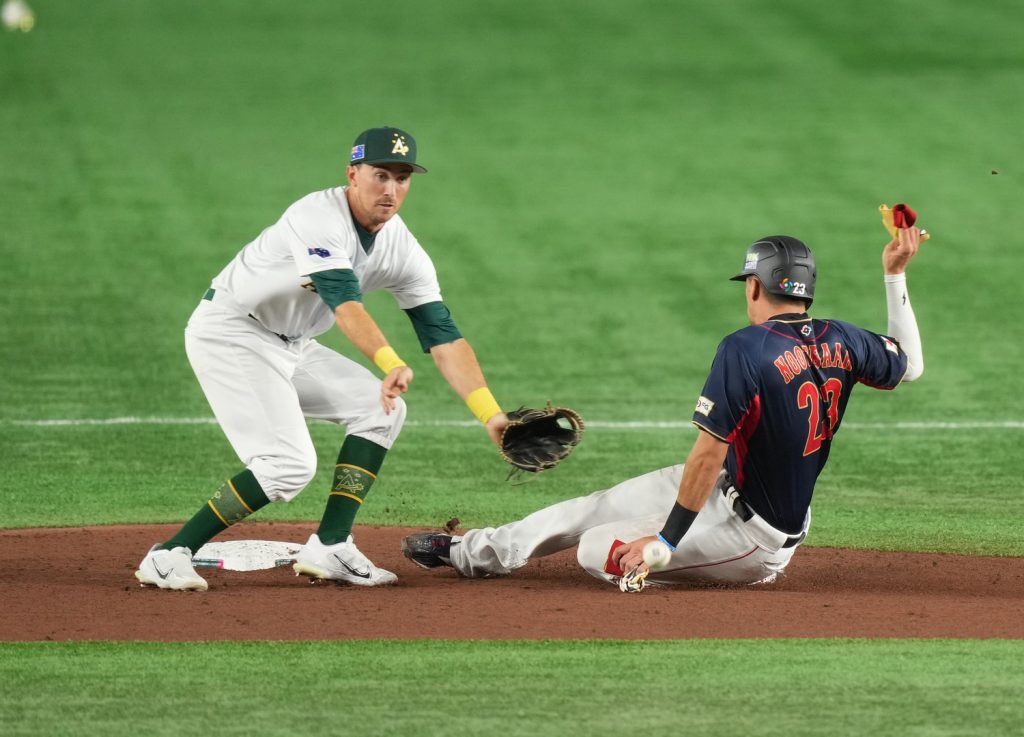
(387,360)
(482,404)
(668,545)
(678,522)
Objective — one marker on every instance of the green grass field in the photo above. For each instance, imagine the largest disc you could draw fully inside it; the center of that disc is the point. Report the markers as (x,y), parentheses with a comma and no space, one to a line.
(596,170)
(711,687)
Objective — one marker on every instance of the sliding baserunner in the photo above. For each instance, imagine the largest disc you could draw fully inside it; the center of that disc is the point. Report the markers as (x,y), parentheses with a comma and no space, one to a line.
(771,405)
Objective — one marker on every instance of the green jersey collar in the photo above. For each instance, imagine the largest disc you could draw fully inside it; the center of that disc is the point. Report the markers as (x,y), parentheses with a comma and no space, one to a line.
(366,238)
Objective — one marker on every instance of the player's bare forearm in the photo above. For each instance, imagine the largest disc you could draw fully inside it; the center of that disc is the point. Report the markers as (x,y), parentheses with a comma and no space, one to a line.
(360,328)
(700,476)
(458,365)
(362,331)
(701,470)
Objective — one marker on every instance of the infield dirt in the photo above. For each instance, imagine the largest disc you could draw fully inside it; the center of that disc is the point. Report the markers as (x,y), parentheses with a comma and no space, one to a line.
(77,584)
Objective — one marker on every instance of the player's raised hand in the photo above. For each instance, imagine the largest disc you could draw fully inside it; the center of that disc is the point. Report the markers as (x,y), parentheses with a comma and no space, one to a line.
(395,384)
(900,250)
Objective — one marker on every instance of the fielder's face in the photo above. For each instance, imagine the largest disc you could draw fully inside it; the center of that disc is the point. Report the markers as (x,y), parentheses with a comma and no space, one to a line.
(376,192)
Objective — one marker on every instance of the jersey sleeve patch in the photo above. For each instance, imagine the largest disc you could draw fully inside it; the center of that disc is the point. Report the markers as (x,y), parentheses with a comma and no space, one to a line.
(728,390)
(316,238)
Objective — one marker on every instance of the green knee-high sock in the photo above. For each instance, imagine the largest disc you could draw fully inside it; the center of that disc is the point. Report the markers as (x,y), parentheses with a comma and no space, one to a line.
(234,501)
(359,463)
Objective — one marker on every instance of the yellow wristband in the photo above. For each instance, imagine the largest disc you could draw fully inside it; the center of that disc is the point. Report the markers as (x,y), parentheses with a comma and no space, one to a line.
(386,359)
(482,404)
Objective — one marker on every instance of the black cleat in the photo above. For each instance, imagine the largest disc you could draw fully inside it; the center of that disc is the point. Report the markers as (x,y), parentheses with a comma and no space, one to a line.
(428,549)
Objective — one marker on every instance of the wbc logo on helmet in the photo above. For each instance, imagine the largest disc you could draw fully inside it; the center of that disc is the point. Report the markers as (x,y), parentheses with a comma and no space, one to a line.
(792,287)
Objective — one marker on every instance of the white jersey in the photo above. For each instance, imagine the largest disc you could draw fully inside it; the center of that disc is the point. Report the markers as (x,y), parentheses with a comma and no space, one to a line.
(269,278)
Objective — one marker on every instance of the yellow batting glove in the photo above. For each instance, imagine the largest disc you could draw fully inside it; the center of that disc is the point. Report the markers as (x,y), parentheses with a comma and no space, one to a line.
(889,222)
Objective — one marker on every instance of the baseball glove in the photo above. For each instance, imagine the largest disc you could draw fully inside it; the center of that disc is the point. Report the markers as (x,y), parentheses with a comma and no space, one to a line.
(538,439)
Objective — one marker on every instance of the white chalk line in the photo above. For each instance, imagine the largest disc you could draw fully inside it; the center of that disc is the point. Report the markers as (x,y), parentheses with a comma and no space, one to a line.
(599,424)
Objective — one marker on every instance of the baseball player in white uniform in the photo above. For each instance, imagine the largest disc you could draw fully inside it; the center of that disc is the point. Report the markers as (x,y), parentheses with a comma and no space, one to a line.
(251,342)
(740,507)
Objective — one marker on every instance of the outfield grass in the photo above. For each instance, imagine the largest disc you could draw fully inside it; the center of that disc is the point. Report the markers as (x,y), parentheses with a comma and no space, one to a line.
(604,166)
(711,687)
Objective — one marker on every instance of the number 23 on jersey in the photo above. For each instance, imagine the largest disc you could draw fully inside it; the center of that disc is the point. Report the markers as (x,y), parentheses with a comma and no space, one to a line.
(810,396)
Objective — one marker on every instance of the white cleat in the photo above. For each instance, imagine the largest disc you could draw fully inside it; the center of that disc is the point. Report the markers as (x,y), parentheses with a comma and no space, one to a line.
(170,569)
(339,562)
(17,16)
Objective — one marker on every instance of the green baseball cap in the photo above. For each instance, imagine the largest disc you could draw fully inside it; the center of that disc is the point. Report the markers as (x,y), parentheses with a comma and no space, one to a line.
(385,145)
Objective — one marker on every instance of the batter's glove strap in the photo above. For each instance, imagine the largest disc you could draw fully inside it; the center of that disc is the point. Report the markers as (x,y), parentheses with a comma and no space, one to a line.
(634,581)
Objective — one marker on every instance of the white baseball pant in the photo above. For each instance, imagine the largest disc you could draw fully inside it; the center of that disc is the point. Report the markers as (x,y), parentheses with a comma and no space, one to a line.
(262,388)
(719,548)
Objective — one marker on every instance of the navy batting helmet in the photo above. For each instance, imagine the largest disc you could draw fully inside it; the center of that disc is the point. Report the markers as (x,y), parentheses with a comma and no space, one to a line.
(784,265)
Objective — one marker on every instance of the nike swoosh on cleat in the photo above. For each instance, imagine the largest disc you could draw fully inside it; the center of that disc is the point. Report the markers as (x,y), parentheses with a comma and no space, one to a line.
(159,572)
(350,569)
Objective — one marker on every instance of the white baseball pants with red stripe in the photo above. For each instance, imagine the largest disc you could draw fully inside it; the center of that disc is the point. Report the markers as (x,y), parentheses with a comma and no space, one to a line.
(719,547)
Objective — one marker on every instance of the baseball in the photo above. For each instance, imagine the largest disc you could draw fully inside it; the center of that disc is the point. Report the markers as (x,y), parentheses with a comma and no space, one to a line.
(656,555)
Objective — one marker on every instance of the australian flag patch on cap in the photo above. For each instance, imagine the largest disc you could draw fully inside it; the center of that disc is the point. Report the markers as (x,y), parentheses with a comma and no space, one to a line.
(358,152)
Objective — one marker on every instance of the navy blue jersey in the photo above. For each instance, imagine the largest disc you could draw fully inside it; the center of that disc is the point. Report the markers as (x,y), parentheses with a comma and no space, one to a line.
(777,392)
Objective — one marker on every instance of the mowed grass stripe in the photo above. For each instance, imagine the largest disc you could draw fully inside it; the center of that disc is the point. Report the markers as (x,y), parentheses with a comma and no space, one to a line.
(710,687)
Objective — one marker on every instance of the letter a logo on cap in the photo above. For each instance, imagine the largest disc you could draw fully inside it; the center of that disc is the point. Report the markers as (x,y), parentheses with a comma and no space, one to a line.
(400,147)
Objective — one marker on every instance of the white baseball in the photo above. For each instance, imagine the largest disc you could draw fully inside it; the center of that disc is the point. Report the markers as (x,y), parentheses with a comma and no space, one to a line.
(656,555)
